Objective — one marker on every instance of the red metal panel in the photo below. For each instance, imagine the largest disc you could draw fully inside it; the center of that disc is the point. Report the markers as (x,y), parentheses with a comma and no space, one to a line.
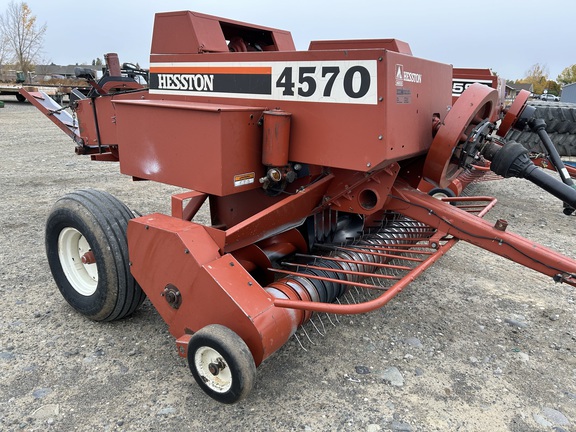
(214,149)
(392,125)
(187,32)
(465,77)
(106,119)
(213,289)
(149,239)
(389,44)
(177,33)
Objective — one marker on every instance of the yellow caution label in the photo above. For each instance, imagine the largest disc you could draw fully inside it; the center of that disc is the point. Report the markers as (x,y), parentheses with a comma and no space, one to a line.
(244,179)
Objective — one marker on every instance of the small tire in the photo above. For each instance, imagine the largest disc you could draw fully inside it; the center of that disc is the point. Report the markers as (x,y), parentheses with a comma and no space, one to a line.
(221,363)
(20,98)
(442,193)
(87,252)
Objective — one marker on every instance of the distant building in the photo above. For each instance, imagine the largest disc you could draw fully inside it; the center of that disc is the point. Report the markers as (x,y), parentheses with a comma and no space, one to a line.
(513,89)
(568,93)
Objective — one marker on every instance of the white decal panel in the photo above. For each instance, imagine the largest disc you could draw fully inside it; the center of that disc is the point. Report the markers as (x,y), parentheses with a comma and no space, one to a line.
(459,85)
(343,82)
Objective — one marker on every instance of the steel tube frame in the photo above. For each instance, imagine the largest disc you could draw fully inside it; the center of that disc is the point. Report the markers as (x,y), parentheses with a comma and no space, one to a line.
(479,232)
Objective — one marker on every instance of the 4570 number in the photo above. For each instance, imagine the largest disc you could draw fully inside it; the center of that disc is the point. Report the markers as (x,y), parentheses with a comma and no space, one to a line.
(340,83)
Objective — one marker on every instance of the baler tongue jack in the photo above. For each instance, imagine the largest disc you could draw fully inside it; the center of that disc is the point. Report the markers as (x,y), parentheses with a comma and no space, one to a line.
(319,168)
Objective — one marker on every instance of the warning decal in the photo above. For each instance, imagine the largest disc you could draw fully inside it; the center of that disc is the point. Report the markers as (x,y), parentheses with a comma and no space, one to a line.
(244,179)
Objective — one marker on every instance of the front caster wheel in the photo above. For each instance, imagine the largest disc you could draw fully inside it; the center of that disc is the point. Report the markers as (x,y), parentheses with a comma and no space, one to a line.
(441,193)
(221,363)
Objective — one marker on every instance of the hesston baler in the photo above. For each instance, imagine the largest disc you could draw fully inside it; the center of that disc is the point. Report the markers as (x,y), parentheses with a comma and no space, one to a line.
(314,165)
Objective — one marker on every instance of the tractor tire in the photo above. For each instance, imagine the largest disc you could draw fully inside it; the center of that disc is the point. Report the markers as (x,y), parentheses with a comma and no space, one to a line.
(221,363)
(530,140)
(565,143)
(87,252)
(560,121)
(559,117)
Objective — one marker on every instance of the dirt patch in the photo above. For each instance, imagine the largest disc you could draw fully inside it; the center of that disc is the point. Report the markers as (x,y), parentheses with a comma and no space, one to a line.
(477,343)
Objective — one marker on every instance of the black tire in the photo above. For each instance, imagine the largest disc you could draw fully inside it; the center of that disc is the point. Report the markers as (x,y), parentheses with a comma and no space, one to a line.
(532,142)
(559,117)
(20,98)
(441,193)
(221,363)
(560,121)
(91,221)
(566,145)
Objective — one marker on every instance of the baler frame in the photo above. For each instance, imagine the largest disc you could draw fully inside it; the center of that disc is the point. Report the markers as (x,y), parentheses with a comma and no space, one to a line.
(303,206)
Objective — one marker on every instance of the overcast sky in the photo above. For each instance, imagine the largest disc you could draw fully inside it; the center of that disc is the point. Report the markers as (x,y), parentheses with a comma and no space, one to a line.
(508,36)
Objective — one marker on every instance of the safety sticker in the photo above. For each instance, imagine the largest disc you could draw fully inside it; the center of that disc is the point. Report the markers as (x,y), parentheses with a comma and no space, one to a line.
(244,179)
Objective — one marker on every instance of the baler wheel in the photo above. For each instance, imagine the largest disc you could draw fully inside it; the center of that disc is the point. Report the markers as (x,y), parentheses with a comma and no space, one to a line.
(441,193)
(221,363)
(87,252)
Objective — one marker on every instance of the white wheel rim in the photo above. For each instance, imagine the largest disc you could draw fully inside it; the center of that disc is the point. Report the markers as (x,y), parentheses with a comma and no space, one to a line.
(440,195)
(203,358)
(72,246)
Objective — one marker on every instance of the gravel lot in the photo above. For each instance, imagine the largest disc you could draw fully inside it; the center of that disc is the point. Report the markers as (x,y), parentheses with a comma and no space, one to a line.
(476,344)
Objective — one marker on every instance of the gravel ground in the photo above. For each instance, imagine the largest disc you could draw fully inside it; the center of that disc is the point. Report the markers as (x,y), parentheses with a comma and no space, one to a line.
(476,344)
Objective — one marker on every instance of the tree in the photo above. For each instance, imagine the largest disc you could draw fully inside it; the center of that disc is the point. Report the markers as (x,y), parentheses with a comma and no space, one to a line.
(553,87)
(537,75)
(568,75)
(4,53)
(23,35)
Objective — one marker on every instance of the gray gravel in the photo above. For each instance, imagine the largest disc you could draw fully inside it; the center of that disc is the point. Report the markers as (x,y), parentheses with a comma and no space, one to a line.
(480,343)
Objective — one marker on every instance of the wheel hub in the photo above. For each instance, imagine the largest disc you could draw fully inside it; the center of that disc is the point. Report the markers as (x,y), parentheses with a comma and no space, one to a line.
(88,258)
(216,367)
(212,369)
(78,261)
